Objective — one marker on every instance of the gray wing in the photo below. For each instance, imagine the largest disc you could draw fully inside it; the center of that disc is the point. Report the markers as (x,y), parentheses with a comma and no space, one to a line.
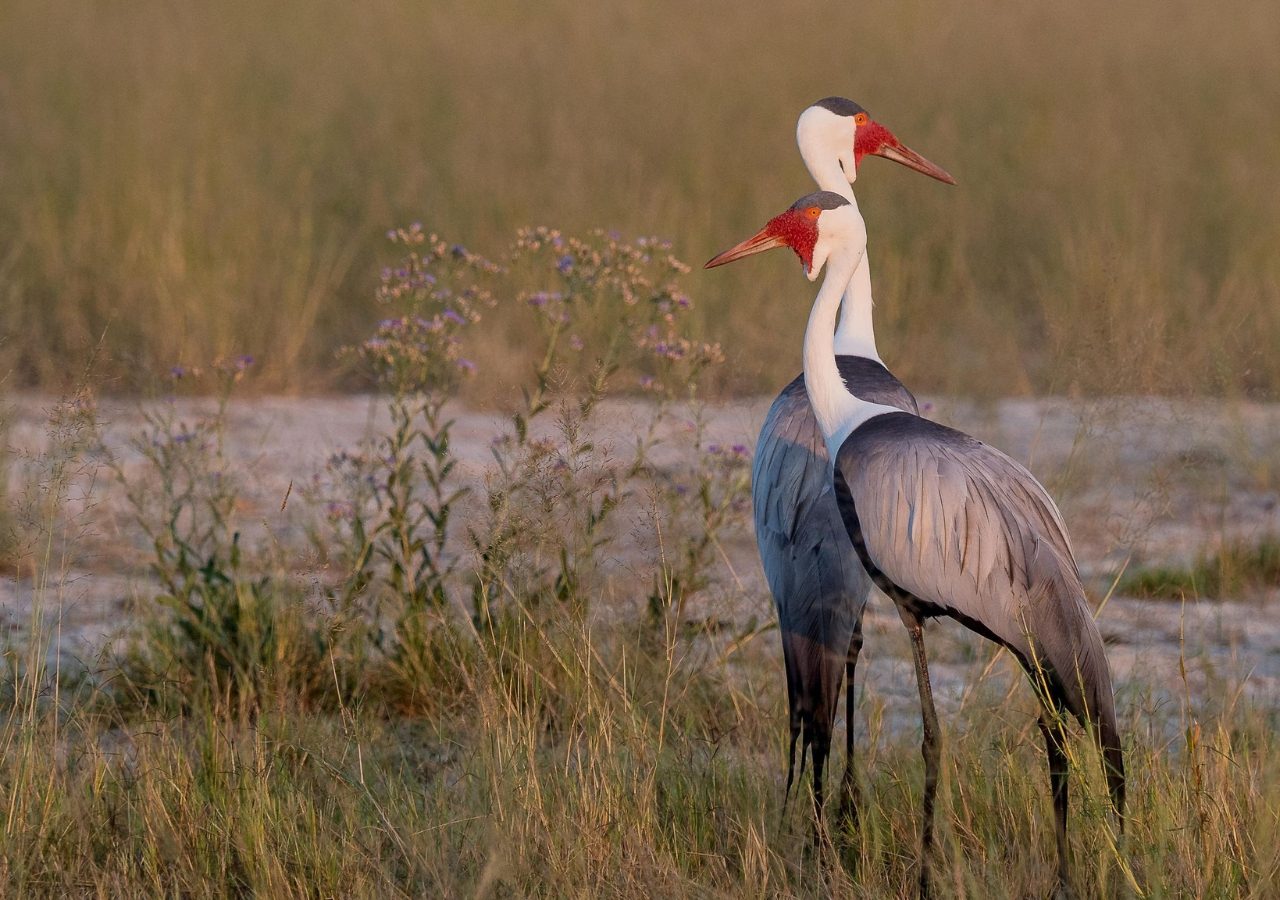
(971,533)
(817,582)
(790,472)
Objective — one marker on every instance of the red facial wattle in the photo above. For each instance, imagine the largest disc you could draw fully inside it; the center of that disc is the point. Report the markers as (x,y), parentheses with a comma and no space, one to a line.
(798,230)
(873,138)
(870,138)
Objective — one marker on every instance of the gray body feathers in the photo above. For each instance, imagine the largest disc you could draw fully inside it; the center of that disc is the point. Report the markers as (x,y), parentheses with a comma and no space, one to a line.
(819,586)
(957,528)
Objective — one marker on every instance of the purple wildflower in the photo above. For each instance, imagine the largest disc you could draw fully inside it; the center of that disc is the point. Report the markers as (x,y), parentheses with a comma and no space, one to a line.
(336,510)
(454,317)
(565,265)
(177,372)
(467,366)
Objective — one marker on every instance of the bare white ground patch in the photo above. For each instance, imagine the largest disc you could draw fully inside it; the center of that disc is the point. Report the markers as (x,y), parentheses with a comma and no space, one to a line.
(1141,482)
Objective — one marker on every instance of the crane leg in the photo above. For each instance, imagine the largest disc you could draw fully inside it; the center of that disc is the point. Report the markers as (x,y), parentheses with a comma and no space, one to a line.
(791,766)
(821,750)
(850,797)
(1054,742)
(929,748)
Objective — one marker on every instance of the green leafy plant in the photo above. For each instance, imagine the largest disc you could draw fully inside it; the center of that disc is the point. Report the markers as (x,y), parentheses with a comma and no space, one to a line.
(551,498)
(389,505)
(1235,567)
(221,635)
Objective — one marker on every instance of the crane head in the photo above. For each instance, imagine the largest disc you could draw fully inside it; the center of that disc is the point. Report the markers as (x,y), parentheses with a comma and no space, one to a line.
(838,128)
(811,227)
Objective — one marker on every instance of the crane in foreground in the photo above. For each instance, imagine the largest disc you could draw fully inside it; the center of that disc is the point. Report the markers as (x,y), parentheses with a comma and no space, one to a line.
(946,525)
(820,590)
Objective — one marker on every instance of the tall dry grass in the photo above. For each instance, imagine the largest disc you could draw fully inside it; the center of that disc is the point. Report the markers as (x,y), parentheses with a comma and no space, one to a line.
(195,180)
(553,763)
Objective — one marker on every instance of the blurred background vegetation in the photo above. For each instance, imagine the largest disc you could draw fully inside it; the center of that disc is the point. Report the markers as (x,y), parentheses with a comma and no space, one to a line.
(183,180)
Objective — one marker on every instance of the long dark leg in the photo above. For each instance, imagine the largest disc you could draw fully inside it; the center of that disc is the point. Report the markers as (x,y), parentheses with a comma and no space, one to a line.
(1055,747)
(791,766)
(850,797)
(929,746)
(821,750)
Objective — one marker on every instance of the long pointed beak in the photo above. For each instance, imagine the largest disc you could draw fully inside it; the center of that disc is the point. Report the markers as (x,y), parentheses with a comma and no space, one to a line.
(913,160)
(757,243)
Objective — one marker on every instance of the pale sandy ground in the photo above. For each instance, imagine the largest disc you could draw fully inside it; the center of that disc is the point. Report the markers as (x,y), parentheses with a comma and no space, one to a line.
(1143,480)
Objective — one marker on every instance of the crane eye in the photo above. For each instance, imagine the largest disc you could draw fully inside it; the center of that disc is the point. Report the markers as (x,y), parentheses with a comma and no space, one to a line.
(813,212)
(861,119)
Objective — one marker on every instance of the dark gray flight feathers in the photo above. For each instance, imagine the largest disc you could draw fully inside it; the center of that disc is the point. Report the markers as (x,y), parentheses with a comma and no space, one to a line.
(820,587)
(841,106)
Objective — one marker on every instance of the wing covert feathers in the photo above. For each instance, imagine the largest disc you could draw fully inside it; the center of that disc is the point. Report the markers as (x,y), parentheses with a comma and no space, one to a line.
(970,532)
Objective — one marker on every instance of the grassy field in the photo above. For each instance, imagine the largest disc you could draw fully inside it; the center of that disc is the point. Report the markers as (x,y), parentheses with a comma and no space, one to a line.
(570,688)
(182,181)
(538,667)
(566,761)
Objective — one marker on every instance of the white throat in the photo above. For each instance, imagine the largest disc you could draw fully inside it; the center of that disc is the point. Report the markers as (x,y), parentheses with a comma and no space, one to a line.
(838,412)
(855,335)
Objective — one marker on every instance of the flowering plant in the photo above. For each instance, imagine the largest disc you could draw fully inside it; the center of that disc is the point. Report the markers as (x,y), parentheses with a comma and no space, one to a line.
(391,502)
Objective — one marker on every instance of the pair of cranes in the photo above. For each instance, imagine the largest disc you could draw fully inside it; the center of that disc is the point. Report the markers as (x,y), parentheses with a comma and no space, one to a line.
(851,487)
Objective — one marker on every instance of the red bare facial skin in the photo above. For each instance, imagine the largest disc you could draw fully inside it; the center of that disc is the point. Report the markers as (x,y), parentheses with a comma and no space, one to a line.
(870,138)
(873,138)
(798,230)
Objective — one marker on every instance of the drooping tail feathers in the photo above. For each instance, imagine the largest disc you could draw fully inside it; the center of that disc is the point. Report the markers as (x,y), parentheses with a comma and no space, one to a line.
(814,675)
(1079,678)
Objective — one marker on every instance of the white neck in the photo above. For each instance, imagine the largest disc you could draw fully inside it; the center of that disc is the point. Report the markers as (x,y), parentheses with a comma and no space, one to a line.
(838,411)
(855,335)
(826,170)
